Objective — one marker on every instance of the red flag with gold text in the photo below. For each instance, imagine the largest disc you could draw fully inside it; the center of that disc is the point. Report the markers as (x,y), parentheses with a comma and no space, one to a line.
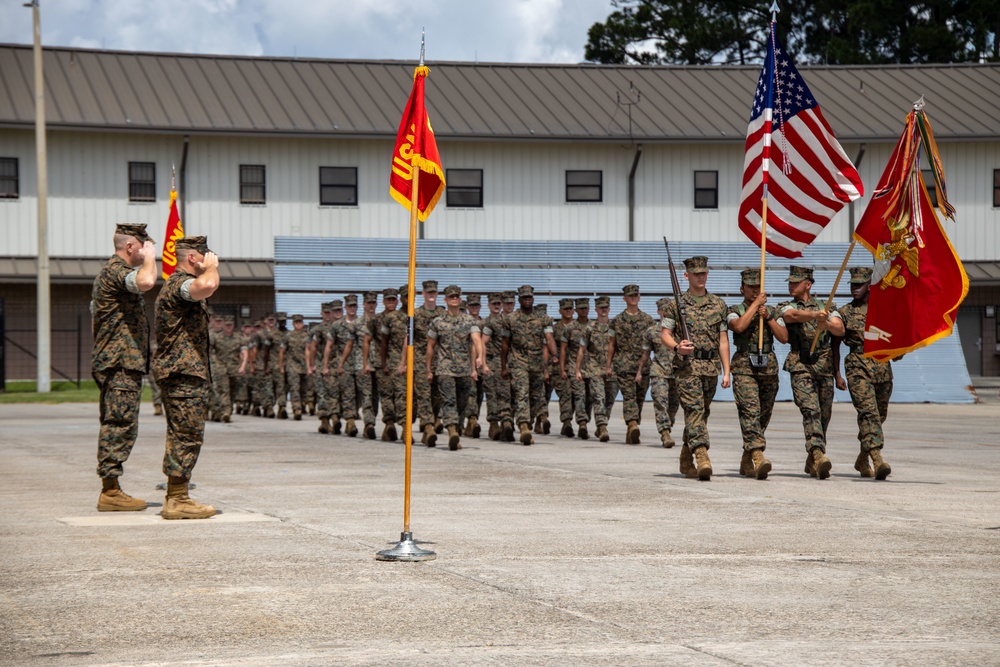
(416,148)
(175,231)
(918,281)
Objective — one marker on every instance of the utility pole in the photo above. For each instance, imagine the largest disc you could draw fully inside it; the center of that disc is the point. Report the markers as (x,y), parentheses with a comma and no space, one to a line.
(44,297)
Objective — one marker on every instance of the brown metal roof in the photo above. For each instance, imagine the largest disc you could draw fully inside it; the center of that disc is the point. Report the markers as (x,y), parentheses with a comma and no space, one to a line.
(158,92)
(85,269)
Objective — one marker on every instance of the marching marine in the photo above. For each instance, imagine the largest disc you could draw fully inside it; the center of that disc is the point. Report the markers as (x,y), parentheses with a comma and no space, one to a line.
(660,360)
(602,384)
(498,407)
(623,355)
(527,333)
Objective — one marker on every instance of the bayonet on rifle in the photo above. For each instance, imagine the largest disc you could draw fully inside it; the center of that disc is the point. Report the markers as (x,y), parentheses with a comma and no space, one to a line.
(676,286)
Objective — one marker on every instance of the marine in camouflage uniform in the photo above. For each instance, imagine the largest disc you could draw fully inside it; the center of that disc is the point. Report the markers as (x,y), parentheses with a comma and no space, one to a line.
(560,381)
(329,408)
(338,338)
(453,354)
(228,367)
(266,359)
(474,406)
(424,389)
(181,366)
(393,327)
(569,350)
(624,353)
(869,381)
(498,408)
(317,345)
(811,374)
(527,333)
(278,380)
(355,386)
(660,360)
(698,362)
(754,388)
(367,387)
(121,356)
(297,369)
(591,366)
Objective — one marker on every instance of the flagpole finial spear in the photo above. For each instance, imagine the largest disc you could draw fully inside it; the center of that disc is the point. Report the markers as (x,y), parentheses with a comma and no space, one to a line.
(919,104)
(422,46)
(774,10)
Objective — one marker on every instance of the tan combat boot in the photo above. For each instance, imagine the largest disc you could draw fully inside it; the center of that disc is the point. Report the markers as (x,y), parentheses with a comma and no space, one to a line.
(821,465)
(704,464)
(296,415)
(179,506)
(429,437)
(269,412)
(861,465)
(472,428)
(335,425)
(567,429)
(389,432)
(761,466)
(454,442)
(538,425)
(226,419)
(324,424)
(282,413)
(157,410)
(311,408)
(882,469)
(438,426)
(687,466)
(370,431)
(602,433)
(113,499)
(632,433)
(351,428)
(581,432)
(494,432)
(666,440)
(507,431)
(746,463)
(526,438)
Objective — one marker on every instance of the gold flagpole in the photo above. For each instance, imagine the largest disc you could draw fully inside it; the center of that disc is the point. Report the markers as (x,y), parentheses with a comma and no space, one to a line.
(836,284)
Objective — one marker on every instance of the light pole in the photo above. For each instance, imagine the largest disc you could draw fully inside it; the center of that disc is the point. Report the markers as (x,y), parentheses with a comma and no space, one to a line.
(44,297)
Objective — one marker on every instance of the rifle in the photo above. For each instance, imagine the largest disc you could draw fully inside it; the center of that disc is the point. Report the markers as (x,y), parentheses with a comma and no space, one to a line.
(676,286)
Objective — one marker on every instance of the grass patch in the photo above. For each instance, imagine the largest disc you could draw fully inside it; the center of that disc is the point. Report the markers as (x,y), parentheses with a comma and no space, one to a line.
(62,392)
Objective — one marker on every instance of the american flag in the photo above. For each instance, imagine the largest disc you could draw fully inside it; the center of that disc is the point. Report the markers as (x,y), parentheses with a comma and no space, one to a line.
(793,161)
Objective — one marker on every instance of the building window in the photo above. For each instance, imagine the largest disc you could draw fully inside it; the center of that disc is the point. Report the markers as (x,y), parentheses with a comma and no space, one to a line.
(706,189)
(338,186)
(142,181)
(465,188)
(996,192)
(252,186)
(584,186)
(928,177)
(10,187)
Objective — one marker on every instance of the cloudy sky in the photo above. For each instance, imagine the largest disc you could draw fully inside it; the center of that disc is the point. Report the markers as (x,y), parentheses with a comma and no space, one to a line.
(538,31)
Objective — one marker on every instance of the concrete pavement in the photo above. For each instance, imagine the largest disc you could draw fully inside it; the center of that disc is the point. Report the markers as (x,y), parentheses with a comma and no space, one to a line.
(566,552)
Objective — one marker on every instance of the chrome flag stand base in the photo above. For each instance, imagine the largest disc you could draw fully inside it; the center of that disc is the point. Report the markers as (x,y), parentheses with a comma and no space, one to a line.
(406,550)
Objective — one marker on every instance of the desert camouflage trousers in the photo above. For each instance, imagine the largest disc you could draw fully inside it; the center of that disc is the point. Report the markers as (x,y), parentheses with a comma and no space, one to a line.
(633,395)
(356,393)
(329,404)
(157,394)
(528,394)
(695,393)
(475,403)
(665,402)
(185,404)
(298,386)
(814,397)
(225,388)
(754,396)
(498,406)
(121,392)
(392,392)
(871,400)
(564,390)
(456,394)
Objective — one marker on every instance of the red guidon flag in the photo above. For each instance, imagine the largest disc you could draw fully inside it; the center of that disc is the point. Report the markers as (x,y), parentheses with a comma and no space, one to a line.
(793,161)
(416,149)
(919,281)
(175,231)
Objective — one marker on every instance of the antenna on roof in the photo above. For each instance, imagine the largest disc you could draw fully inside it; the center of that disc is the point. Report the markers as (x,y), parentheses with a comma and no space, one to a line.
(633,98)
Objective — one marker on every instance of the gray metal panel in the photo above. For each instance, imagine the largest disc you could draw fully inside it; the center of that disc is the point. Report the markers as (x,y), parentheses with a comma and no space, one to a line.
(482,101)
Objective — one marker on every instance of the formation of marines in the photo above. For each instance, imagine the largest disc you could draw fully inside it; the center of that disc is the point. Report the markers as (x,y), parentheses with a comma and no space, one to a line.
(351,366)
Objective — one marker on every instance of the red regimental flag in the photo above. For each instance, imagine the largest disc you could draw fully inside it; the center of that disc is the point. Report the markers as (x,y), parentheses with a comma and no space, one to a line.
(416,148)
(175,231)
(919,281)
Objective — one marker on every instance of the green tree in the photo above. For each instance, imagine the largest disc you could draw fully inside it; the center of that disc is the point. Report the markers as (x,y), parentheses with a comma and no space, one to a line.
(818,31)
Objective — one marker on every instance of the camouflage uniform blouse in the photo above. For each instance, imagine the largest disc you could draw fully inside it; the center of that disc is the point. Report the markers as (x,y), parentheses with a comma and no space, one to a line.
(394,325)
(594,338)
(706,318)
(121,330)
(422,318)
(571,336)
(181,332)
(453,350)
(745,343)
(527,338)
(661,357)
(294,344)
(493,326)
(627,330)
(800,335)
(856,363)
(226,352)
(339,334)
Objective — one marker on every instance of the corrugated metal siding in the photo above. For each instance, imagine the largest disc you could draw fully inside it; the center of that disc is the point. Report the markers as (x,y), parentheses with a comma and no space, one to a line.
(203,93)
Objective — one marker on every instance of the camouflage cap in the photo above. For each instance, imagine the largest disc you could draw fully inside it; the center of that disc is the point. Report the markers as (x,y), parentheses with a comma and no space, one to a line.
(494,297)
(269,316)
(371,296)
(199,243)
(390,293)
(797,274)
(430,286)
(697,264)
(336,305)
(453,290)
(525,290)
(404,291)
(473,300)
(602,302)
(630,290)
(663,302)
(229,319)
(508,296)
(583,302)
(750,276)
(281,315)
(565,303)
(860,275)
(258,323)
(138,231)
(542,308)
(298,318)
(351,300)
(326,308)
